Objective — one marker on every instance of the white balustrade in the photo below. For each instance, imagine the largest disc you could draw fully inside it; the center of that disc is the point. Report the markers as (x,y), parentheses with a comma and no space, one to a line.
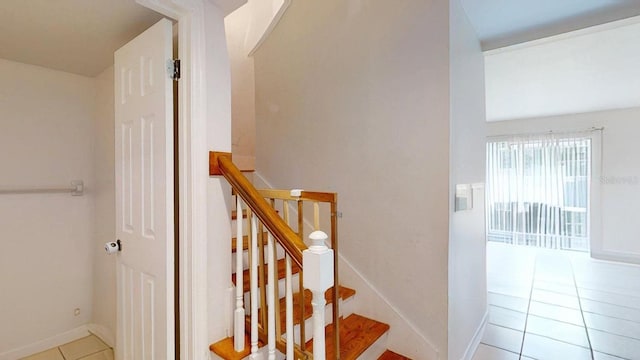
(289,307)
(238,343)
(317,261)
(253,255)
(318,277)
(271,305)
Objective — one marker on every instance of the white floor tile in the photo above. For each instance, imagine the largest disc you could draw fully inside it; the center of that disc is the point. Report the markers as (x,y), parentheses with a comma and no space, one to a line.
(486,352)
(576,335)
(601,356)
(543,282)
(507,318)
(503,338)
(543,348)
(610,298)
(52,354)
(508,302)
(620,346)
(607,286)
(615,311)
(555,287)
(103,355)
(613,325)
(555,299)
(554,267)
(555,312)
(86,346)
(515,290)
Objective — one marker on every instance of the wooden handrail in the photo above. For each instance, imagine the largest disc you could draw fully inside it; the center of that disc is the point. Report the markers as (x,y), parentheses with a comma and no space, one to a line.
(283,234)
(315,197)
(262,204)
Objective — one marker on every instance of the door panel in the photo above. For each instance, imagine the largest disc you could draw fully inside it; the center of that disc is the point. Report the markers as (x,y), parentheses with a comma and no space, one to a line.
(144,196)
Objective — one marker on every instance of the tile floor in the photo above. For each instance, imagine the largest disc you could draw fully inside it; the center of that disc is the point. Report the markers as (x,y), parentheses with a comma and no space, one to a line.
(87,348)
(550,305)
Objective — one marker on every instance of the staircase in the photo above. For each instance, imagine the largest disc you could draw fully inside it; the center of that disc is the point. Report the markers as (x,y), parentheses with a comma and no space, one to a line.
(267,266)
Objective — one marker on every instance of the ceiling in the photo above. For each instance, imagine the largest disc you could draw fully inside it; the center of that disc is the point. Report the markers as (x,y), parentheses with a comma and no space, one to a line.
(76,36)
(80,36)
(500,23)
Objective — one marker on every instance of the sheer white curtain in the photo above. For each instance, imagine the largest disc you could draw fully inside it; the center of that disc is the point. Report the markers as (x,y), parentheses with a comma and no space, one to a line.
(538,191)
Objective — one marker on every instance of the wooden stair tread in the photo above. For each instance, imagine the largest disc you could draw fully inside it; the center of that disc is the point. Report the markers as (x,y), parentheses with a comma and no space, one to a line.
(357,333)
(245,242)
(390,355)
(282,273)
(343,292)
(224,348)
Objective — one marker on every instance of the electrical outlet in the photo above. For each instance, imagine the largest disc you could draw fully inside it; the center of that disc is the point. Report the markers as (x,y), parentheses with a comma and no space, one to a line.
(76,311)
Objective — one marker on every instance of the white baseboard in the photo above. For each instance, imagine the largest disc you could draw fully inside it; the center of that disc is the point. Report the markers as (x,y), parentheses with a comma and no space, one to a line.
(46,344)
(404,336)
(616,256)
(103,333)
(477,337)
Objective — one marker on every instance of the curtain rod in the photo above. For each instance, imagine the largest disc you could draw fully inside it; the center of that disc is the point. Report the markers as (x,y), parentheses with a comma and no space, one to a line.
(550,132)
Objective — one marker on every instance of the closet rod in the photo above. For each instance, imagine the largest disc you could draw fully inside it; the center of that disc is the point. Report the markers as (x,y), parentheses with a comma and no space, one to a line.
(76,189)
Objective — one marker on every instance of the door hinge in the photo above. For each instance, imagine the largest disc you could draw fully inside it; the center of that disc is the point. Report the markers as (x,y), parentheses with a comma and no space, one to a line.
(173,68)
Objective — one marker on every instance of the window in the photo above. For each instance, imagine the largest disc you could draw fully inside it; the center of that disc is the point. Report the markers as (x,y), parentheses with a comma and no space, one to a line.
(538,192)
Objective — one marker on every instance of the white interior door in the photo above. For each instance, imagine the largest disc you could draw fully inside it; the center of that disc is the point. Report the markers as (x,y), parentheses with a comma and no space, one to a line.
(144,196)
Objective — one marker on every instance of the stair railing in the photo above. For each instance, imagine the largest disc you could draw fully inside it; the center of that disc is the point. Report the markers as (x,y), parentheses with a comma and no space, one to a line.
(317,260)
(286,200)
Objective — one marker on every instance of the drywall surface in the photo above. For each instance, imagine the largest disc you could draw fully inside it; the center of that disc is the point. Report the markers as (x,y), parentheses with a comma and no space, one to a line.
(104,266)
(243,108)
(45,262)
(218,191)
(353,97)
(583,71)
(619,181)
(467,246)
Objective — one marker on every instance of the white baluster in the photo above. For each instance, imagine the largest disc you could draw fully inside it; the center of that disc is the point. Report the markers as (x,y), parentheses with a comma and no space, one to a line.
(254,289)
(289,308)
(271,306)
(288,292)
(238,337)
(318,277)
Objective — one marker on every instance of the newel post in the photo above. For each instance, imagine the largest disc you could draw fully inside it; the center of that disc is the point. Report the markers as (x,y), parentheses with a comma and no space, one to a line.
(317,262)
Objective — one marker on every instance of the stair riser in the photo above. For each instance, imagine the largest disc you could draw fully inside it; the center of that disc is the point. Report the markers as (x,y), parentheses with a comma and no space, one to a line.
(346,305)
(281,288)
(346,309)
(376,349)
(245,228)
(328,318)
(308,328)
(245,259)
(264,353)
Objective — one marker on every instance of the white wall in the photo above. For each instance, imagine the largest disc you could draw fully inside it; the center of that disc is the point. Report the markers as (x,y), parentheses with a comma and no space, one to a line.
(218,191)
(104,267)
(243,108)
(582,71)
(620,183)
(353,97)
(45,263)
(467,246)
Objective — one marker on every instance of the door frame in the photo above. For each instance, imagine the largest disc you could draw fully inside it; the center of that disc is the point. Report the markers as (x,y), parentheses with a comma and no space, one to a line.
(192,158)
